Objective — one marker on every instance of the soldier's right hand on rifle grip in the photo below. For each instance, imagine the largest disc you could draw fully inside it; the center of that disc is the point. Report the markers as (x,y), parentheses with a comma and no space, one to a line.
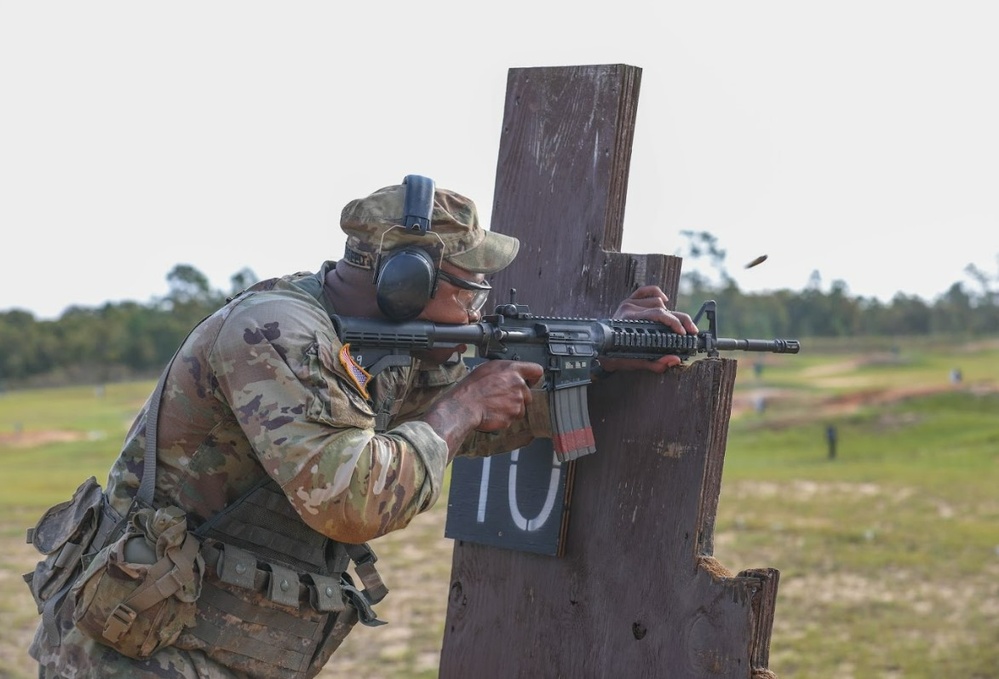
(490,398)
(499,392)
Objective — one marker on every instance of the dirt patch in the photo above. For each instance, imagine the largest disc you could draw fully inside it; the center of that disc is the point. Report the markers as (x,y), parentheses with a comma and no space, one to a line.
(826,369)
(29,439)
(803,490)
(764,399)
(832,368)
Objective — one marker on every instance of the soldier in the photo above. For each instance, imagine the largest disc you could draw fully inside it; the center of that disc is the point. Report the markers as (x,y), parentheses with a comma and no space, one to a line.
(286,456)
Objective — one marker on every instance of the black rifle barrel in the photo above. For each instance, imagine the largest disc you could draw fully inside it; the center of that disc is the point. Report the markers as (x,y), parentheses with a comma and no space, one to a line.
(777,346)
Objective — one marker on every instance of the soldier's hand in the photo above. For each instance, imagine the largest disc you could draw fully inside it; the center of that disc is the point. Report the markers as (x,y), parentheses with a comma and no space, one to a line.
(496,393)
(648,303)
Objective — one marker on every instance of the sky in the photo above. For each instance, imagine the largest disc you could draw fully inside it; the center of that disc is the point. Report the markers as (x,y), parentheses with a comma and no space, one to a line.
(858,140)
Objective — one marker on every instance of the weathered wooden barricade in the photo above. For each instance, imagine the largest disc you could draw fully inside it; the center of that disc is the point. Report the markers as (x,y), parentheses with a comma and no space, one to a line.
(624,583)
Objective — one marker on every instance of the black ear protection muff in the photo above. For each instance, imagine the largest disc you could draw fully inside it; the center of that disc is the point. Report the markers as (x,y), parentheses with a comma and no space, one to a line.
(406,279)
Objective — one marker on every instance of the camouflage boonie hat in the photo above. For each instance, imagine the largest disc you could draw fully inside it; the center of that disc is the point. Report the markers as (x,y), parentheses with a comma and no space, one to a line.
(368,223)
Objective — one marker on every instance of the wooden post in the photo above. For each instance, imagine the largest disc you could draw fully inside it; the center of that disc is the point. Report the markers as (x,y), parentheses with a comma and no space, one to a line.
(637,592)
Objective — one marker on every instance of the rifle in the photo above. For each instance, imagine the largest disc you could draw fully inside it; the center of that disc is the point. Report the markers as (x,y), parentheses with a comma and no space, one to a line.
(566,348)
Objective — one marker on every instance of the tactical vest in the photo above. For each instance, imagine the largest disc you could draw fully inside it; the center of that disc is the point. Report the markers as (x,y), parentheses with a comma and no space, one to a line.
(276,601)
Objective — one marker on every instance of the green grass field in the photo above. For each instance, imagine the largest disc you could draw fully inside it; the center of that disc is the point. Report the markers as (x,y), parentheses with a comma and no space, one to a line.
(889,553)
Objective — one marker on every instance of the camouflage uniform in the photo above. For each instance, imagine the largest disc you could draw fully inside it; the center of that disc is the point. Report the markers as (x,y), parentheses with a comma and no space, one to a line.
(262,386)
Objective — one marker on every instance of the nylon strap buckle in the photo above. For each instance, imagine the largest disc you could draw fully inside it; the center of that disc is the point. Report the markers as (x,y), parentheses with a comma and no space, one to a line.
(119,622)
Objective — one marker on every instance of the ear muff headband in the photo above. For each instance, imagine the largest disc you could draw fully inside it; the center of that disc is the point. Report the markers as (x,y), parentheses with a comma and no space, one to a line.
(418,208)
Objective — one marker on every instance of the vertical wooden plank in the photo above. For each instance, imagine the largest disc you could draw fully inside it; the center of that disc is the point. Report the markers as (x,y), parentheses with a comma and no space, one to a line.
(561,181)
(637,592)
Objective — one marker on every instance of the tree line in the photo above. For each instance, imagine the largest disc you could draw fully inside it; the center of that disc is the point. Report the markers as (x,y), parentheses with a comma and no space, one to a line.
(112,342)
(128,340)
(962,311)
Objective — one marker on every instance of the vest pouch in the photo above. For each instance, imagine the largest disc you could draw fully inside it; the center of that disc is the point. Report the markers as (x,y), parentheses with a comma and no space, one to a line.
(63,535)
(276,601)
(140,592)
(264,619)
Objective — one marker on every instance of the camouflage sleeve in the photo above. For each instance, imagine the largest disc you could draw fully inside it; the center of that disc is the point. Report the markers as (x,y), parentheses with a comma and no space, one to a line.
(432,381)
(278,364)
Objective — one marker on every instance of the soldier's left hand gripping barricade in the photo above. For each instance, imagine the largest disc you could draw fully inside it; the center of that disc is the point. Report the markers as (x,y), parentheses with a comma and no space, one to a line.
(568,349)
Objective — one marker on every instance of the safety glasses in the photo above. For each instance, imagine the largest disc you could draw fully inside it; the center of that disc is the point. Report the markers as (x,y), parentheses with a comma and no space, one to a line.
(475,293)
